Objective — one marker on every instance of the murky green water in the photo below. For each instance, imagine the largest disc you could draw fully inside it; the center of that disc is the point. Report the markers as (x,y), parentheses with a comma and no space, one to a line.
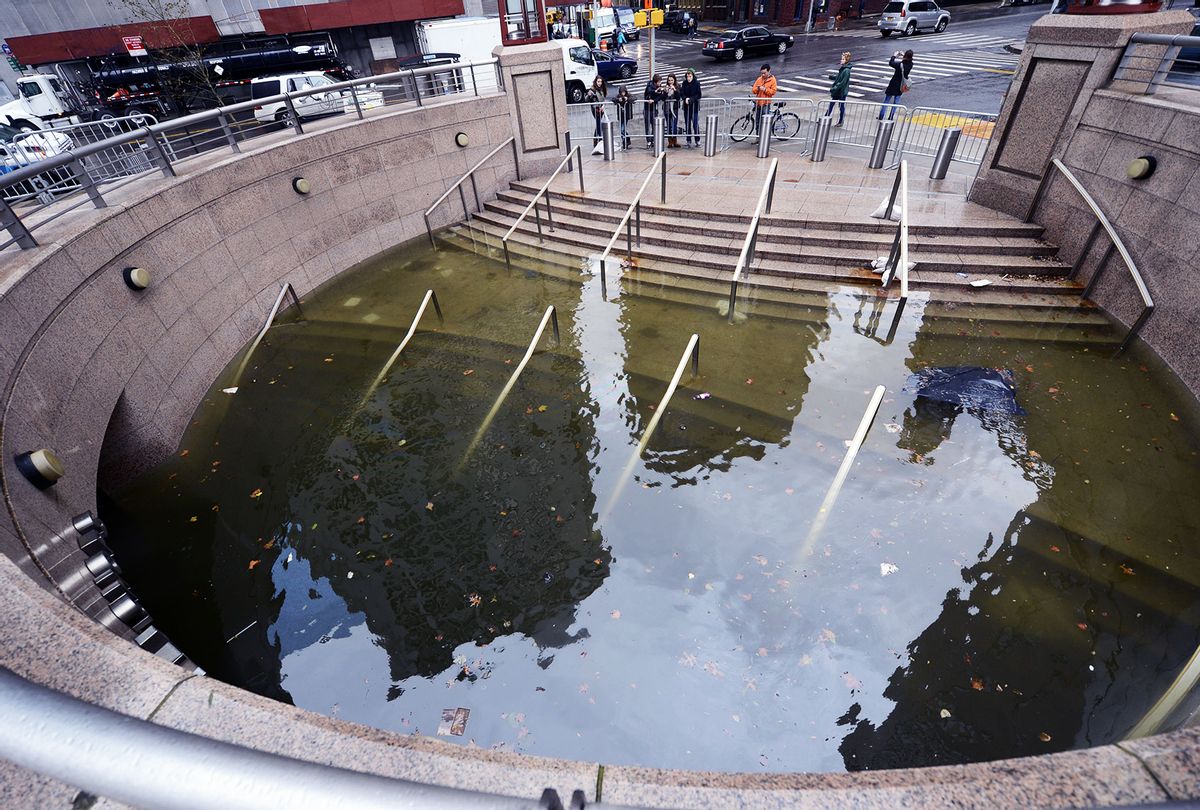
(987,585)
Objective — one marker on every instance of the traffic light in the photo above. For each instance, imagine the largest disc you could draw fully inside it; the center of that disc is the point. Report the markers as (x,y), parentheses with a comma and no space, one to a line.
(639,19)
(656,17)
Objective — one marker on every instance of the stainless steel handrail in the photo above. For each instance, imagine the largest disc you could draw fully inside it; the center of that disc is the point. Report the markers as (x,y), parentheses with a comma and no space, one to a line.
(1170,700)
(551,316)
(156,766)
(839,479)
(430,296)
(692,351)
(659,164)
(286,289)
(898,255)
(533,204)
(746,256)
(1115,243)
(1174,44)
(512,141)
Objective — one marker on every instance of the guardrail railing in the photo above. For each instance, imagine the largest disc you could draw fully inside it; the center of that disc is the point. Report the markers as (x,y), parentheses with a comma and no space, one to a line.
(572,152)
(746,257)
(511,142)
(162,145)
(634,214)
(1115,245)
(65,738)
(286,290)
(898,254)
(1154,59)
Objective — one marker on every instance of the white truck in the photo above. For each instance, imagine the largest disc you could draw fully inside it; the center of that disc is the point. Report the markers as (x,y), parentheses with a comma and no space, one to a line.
(40,98)
(472,38)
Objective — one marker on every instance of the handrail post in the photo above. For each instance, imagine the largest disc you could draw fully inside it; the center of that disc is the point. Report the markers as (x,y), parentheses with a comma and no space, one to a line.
(1099,272)
(294,115)
(89,185)
(663,195)
(549,213)
(1083,254)
(416,87)
(537,215)
(15,227)
(570,153)
(696,358)
(473,82)
(554,326)
(892,197)
(462,198)
(475,191)
(429,230)
(638,210)
(357,106)
(229,136)
(771,187)
(582,190)
(629,237)
(161,158)
(516,159)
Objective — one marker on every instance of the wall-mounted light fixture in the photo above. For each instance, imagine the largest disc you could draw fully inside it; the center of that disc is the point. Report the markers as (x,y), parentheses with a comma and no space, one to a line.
(136,278)
(40,467)
(461,139)
(301,185)
(1141,168)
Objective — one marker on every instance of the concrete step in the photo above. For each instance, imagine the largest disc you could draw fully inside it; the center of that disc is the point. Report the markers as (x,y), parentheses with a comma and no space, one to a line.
(934,271)
(1006,228)
(657,222)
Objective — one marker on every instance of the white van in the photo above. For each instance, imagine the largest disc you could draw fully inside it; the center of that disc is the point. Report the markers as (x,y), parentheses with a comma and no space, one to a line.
(333,102)
(579,67)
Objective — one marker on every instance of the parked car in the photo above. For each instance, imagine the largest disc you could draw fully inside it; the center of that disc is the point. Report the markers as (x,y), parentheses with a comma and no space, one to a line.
(625,20)
(312,105)
(907,17)
(741,42)
(679,21)
(614,66)
(19,148)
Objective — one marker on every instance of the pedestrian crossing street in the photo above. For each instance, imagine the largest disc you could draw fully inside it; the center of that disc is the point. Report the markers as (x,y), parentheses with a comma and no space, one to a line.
(872,76)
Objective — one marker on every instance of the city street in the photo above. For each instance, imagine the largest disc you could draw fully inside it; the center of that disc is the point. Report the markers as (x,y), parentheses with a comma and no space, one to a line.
(966,67)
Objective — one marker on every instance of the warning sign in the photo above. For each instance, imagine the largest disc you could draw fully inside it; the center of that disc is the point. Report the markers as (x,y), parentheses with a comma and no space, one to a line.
(134,45)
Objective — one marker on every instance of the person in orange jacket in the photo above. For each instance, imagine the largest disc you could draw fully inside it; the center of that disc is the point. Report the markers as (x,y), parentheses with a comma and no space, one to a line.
(764,90)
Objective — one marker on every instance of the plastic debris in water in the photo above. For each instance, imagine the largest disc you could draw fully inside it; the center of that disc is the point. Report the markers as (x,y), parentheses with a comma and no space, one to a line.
(887,568)
(547,577)
(232,390)
(702,395)
(454,722)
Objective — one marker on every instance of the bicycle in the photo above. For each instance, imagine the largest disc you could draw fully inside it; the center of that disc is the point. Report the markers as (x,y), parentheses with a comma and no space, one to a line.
(783,125)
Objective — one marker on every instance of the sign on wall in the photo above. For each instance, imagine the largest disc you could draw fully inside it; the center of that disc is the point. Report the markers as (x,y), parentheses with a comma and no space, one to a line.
(382,48)
(134,45)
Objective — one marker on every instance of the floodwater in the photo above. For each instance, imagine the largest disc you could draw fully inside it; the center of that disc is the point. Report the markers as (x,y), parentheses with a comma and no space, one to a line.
(987,585)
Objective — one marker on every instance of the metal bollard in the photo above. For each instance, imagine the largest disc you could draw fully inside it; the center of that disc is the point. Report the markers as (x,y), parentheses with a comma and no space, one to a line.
(570,162)
(764,135)
(823,126)
(660,140)
(945,153)
(879,149)
(606,137)
(710,136)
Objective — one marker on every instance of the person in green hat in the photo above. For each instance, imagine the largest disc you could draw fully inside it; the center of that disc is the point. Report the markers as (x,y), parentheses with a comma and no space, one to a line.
(840,89)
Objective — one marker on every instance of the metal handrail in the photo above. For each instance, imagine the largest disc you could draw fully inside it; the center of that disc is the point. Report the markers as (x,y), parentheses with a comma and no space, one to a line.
(898,255)
(692,351)
(72,741)
(1174,44)
(430,296)
(551,316)
(286,289)
(533,204)
(512,141)
(839,479)
(660,163)
(746,256)
(1115,243)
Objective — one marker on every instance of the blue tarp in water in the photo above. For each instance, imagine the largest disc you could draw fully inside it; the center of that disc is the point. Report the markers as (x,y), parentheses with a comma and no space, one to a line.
(991,389)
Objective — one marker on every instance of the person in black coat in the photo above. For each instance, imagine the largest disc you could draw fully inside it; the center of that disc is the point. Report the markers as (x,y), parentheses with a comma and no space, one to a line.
(651,99)
(901,66)
(689,94)
(624,104)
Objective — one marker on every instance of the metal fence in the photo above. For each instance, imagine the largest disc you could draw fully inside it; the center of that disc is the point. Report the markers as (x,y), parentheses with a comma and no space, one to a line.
(71,174)
(1160,60)
(916,130)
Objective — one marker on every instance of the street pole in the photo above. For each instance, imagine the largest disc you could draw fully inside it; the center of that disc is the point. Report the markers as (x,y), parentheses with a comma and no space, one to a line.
(653,28)
(808,26)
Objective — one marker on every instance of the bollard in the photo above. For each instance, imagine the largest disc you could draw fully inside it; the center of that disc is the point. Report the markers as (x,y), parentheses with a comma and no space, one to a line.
(764,134)
(823,126)
(606,136)
(570,162)
(879,149)
(660,141)
(945,153)
(710,136)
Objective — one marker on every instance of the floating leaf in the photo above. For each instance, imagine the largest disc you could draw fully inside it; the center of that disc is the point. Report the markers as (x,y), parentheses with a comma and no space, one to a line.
(887,569)
(1029,369)
(253,563)
(749,381)
(1052,390)
(474,600)
(788,491)
(429,506)
(542,408)
(1125,569)
(361,520)
(1044,737)
(184,453)
(388,562)
(256,493)
(328,359)
(192,519)
(977,684)
(616,614)
(468,372)
(1174,418)
(1055,549)
(944,714)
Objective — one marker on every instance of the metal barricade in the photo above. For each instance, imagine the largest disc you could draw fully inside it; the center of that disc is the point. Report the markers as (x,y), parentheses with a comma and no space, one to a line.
(921,131)
(790,120)
(861,121)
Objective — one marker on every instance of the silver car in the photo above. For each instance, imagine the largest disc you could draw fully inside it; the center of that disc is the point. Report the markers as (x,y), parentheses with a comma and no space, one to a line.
(907,17)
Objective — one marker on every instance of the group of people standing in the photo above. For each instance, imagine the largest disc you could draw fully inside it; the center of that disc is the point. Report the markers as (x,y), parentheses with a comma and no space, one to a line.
(901,64)
(678,102)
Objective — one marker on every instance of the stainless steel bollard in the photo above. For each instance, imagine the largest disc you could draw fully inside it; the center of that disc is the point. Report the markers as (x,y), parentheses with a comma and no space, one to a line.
(570,163)
(823,126)
(710,136)
(606,137)
(879,149)
(660,140)
(945,153)
(764,134)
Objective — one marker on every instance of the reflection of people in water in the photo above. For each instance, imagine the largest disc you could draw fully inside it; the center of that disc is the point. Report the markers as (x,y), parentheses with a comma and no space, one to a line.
(925,426)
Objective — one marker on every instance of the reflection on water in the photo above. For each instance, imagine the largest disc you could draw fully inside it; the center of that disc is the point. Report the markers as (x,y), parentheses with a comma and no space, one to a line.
(988,585)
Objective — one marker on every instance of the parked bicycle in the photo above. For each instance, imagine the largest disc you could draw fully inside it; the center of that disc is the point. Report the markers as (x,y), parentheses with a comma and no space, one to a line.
(784,125)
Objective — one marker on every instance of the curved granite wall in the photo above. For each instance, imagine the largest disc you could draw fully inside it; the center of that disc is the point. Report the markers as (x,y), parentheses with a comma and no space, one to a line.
(83,357)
